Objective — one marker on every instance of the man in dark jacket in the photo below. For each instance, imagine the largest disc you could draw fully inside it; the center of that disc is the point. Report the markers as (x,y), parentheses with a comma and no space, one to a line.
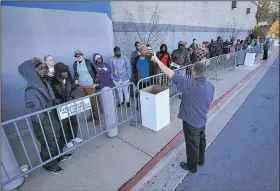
(194,45)
(63,86)
(226,46)
(38,96)
(87,76)
(219,46)
(212,49)
(143,67)
(181,56)
(266,47)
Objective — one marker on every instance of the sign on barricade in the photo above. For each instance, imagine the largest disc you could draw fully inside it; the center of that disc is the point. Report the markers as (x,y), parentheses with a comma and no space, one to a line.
(73,108)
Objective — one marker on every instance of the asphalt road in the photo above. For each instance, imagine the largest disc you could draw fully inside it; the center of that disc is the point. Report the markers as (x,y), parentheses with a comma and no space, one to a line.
(245,156)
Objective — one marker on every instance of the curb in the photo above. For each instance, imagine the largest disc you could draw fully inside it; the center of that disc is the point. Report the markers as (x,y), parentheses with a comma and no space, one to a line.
(169,146)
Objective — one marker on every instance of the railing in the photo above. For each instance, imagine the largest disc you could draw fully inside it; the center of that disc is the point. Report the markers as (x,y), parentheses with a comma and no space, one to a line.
(52,128)
(213,67)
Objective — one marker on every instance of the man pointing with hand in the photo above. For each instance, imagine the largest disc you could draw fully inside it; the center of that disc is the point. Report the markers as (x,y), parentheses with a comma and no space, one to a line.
(197,95)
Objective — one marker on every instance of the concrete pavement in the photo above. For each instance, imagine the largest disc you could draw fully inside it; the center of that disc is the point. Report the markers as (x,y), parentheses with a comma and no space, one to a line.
(245,156)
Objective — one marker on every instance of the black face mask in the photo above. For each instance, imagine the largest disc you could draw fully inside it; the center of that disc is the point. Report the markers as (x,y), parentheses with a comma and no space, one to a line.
(119,55)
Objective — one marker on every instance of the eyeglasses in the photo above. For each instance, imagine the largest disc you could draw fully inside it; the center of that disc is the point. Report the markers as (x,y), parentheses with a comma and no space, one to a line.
(78,55)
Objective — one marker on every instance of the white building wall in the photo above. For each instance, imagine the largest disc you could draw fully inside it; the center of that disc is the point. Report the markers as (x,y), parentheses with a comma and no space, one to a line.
(212,17)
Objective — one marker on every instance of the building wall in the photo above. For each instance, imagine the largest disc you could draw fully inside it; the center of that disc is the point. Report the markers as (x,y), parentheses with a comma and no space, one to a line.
(202,20)
(40,28)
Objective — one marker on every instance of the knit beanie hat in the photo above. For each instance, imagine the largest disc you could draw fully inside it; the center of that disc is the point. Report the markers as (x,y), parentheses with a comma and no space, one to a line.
(60,68)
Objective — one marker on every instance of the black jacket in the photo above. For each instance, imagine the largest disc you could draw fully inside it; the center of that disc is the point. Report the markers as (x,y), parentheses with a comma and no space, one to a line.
(219,47)
(212,50)
(152,68)
(63,92)
(193,58)
(91,69)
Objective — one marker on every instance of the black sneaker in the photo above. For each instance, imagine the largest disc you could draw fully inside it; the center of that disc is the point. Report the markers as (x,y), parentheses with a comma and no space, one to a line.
(127,104)
(55,170)
(185,167)
(89,119)
(64,157)
(120,104)
(96,121)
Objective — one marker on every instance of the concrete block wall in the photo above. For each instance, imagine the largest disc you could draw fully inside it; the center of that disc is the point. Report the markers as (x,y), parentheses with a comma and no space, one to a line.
(202,20)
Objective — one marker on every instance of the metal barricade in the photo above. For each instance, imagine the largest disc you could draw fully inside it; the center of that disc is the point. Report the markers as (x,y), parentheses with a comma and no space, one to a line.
(240,57)
(158,80)
(40,137)
(211,67)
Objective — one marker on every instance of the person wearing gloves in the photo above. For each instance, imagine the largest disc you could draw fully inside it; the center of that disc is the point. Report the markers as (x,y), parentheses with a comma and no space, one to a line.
(121,73)
(198,93)
(87,76)
(38,96)
(63,87)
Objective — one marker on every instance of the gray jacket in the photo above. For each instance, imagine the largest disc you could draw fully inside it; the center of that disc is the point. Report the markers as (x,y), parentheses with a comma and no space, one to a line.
(266,45)
(39,100)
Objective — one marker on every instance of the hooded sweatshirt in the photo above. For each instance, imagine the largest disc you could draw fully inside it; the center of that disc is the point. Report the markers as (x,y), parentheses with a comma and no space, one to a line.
(104,72)
(36,101)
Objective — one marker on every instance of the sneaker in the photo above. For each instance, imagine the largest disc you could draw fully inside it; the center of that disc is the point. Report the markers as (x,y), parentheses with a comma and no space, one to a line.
(69,145)
(55,170)
(120,104)
(64,157)
(77,140)
(127,104)
(89,119)
(96,121)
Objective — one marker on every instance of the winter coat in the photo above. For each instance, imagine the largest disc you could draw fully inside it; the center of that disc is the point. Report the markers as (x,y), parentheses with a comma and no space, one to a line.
(194,46)
(161,55)
(220,47)
(193,58)
(91,69)
(152,68)
(104,72)
(63,92)
(212,50)
(266,45)
(226,48)
(181,57)
(39,96)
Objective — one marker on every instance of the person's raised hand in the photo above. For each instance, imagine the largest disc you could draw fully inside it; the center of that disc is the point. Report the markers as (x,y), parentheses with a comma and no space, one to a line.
(155,59)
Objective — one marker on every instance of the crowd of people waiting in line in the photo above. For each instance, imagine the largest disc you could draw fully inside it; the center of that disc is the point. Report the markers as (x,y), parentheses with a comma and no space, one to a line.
(51,83)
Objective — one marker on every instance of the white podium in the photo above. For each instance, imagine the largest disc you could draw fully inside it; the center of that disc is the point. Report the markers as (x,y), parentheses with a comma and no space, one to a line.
(155,107)
(249,59)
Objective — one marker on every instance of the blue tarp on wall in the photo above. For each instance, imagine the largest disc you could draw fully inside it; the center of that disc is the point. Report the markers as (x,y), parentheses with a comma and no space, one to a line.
(98,7)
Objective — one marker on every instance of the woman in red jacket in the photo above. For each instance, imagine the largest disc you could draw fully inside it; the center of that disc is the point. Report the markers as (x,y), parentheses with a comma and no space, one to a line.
(164,57)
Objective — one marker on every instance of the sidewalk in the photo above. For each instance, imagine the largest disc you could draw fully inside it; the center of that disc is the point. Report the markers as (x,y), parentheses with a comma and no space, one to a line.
(107,163)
